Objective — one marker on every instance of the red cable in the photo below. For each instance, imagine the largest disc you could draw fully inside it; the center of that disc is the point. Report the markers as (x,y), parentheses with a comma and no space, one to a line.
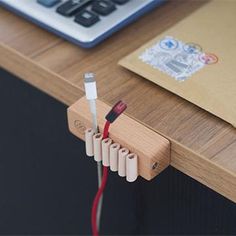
(106,130)
(114,113)
(101,189)
(96,201)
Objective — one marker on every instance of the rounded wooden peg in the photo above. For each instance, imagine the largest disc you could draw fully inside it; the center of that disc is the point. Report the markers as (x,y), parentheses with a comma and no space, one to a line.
(123,152)
(89,142)
(114,149)
(131,167)
(97,144)
(106,143)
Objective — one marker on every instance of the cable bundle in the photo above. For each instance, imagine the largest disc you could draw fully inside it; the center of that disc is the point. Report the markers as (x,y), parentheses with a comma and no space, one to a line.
(111,154)
(103,149)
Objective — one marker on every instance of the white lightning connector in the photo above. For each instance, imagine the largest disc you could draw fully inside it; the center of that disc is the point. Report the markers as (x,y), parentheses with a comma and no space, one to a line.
(90,86)
(91,95)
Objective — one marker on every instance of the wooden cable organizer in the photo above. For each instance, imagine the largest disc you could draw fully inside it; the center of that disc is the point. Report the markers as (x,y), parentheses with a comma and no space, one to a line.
(153,150)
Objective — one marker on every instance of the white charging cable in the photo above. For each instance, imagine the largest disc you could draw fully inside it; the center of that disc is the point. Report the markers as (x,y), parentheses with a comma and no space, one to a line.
(91,95)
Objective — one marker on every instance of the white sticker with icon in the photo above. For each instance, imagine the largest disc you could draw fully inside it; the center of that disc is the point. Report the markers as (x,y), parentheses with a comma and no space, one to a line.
(175,58)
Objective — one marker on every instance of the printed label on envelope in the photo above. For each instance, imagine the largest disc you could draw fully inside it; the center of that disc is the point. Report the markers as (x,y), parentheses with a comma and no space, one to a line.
(175,58)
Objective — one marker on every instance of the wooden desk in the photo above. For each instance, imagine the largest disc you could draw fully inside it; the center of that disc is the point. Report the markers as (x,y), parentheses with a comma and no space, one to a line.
(202,146)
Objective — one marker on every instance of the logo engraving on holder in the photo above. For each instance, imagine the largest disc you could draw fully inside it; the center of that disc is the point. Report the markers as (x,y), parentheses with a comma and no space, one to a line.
(169,44)
(79,126)
(208,58)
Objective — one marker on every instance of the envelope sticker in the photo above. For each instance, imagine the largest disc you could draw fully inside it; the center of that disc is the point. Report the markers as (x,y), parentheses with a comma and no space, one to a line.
(177,59)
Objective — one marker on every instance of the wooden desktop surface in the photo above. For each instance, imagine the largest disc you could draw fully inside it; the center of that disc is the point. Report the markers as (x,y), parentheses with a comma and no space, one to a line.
(202,145)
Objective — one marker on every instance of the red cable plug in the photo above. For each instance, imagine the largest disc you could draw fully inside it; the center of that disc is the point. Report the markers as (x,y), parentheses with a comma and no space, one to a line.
(116,111)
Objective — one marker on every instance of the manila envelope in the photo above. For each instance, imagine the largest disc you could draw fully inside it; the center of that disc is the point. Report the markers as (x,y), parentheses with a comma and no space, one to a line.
(195,59)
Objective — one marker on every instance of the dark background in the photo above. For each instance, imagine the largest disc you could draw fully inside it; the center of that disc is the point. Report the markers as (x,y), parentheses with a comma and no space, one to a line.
(47,184)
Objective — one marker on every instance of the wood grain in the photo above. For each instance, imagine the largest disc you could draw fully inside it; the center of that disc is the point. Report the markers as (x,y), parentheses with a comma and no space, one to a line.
(151,148)
(203,146)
